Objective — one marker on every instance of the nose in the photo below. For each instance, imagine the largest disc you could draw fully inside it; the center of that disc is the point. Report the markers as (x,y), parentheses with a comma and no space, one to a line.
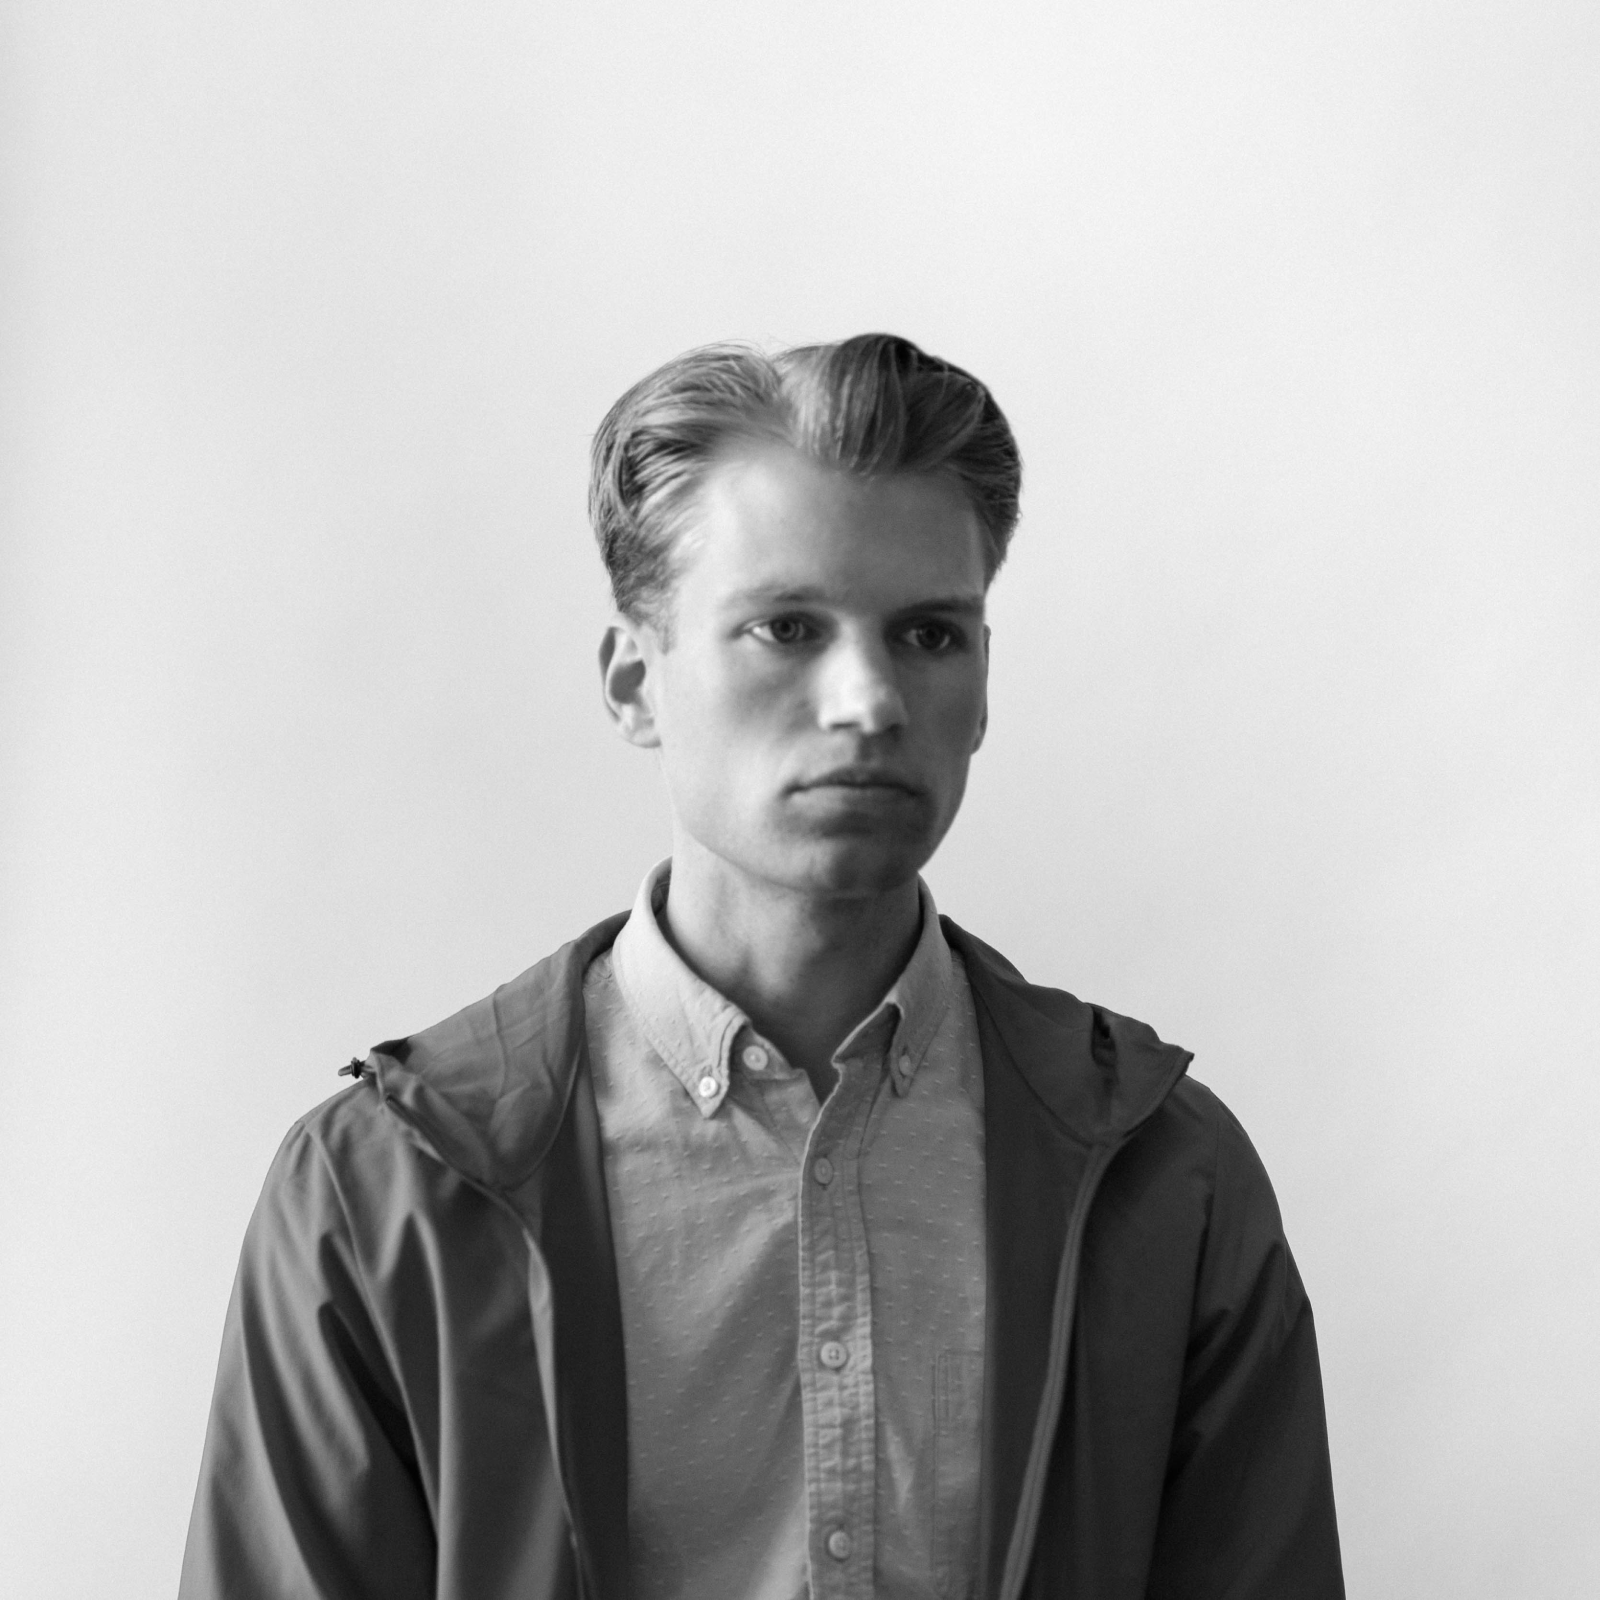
(858,688)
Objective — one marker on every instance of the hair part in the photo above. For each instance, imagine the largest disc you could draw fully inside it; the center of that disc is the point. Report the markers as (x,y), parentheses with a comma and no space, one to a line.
(871,405)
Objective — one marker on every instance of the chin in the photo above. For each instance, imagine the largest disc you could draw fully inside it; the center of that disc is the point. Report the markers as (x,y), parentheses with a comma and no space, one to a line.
(851,868)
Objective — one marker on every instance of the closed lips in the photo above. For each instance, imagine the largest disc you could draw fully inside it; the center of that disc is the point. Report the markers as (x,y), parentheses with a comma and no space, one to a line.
(855,778)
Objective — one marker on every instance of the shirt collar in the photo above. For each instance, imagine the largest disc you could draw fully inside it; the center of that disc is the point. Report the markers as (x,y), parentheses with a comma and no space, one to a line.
(903,1023)
(694,1029)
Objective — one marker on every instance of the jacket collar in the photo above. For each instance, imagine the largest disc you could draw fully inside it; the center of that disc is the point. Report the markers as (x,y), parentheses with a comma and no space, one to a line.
(499,1093)
(1100,1075)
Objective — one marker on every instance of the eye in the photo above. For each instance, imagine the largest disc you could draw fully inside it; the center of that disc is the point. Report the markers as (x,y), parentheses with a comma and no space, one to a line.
(784,630)
(934,638)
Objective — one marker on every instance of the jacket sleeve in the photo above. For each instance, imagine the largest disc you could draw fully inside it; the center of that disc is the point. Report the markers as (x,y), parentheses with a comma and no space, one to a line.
(1247,1509)
(308,1483)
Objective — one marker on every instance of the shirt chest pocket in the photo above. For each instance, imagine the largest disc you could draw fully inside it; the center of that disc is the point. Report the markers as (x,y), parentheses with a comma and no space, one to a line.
(957,1454)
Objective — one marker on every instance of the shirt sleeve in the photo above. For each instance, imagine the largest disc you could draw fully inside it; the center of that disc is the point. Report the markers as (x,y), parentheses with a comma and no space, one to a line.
(308,1483)
(1247,1511)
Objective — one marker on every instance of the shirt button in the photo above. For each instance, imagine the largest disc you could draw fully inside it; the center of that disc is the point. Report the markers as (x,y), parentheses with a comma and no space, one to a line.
(754,1057)
(822,1170)
(905,1060)
(707,1087)
(839,1545)
(833,1354)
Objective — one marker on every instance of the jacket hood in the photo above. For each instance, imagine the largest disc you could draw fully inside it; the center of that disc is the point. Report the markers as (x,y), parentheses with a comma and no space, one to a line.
(1099,1074)
(489,1086)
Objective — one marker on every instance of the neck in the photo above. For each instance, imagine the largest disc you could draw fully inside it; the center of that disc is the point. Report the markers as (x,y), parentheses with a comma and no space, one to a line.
(804,968)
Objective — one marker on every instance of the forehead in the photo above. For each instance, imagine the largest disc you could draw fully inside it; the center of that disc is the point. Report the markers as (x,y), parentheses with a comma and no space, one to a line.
(769,517)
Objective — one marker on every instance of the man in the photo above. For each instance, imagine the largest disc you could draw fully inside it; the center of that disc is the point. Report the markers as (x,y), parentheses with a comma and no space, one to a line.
(778,1238)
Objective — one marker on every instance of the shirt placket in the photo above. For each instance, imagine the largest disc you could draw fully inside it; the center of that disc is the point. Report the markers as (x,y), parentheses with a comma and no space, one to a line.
(835,1346)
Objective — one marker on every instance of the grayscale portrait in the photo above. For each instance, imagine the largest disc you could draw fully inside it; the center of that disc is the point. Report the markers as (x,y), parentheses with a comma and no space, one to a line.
(799,804)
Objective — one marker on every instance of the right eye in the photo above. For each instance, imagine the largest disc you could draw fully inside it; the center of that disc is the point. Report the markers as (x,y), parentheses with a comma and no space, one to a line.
(784,630)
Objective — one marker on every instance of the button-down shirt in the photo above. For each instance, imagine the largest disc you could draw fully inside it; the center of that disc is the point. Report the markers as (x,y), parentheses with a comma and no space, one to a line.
(802,1285)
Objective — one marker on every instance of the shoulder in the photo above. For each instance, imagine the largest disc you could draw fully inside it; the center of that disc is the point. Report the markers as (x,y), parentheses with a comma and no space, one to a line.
(1194,1125)
(1196,1114)
(1235,1172)
(343,1163)
(486,1089)
(349,1132)
(479,1079)
(1196,1177)
(1100,1074)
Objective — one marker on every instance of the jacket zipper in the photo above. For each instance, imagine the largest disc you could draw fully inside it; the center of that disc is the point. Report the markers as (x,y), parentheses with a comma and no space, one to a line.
(1031,1498)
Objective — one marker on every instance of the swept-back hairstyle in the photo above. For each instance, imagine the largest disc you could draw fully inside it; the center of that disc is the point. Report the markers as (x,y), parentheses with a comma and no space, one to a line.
(872,404)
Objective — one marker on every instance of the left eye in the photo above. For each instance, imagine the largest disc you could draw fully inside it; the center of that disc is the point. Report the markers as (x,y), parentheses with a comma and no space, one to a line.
(932,636)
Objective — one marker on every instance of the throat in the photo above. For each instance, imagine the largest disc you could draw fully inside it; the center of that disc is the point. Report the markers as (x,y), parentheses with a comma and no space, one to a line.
(805,971)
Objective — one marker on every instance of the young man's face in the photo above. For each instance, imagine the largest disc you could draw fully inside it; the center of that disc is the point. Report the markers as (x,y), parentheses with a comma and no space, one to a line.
(825,686)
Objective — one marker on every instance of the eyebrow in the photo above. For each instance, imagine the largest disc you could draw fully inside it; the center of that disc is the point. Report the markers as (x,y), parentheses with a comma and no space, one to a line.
(967,605)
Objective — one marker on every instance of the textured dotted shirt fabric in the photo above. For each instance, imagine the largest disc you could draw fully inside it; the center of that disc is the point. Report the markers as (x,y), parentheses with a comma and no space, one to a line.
(802,1285)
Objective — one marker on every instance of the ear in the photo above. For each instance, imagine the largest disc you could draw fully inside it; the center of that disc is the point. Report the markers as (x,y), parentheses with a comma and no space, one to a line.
(983,720)
(627,682)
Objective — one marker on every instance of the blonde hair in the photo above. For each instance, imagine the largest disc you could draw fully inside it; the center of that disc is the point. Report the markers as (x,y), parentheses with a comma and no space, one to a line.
(872,404)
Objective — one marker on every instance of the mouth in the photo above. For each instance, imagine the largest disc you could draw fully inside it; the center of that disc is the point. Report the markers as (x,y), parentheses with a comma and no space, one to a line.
(867,780)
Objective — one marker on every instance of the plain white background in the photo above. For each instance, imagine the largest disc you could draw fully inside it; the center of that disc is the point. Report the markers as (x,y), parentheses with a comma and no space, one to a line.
(308,314)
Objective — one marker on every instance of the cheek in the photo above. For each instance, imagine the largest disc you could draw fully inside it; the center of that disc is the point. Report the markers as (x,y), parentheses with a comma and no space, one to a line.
(714,719)
(954,709)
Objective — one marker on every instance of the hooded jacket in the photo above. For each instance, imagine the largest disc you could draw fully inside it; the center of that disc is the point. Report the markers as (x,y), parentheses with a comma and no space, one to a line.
(421,1391)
